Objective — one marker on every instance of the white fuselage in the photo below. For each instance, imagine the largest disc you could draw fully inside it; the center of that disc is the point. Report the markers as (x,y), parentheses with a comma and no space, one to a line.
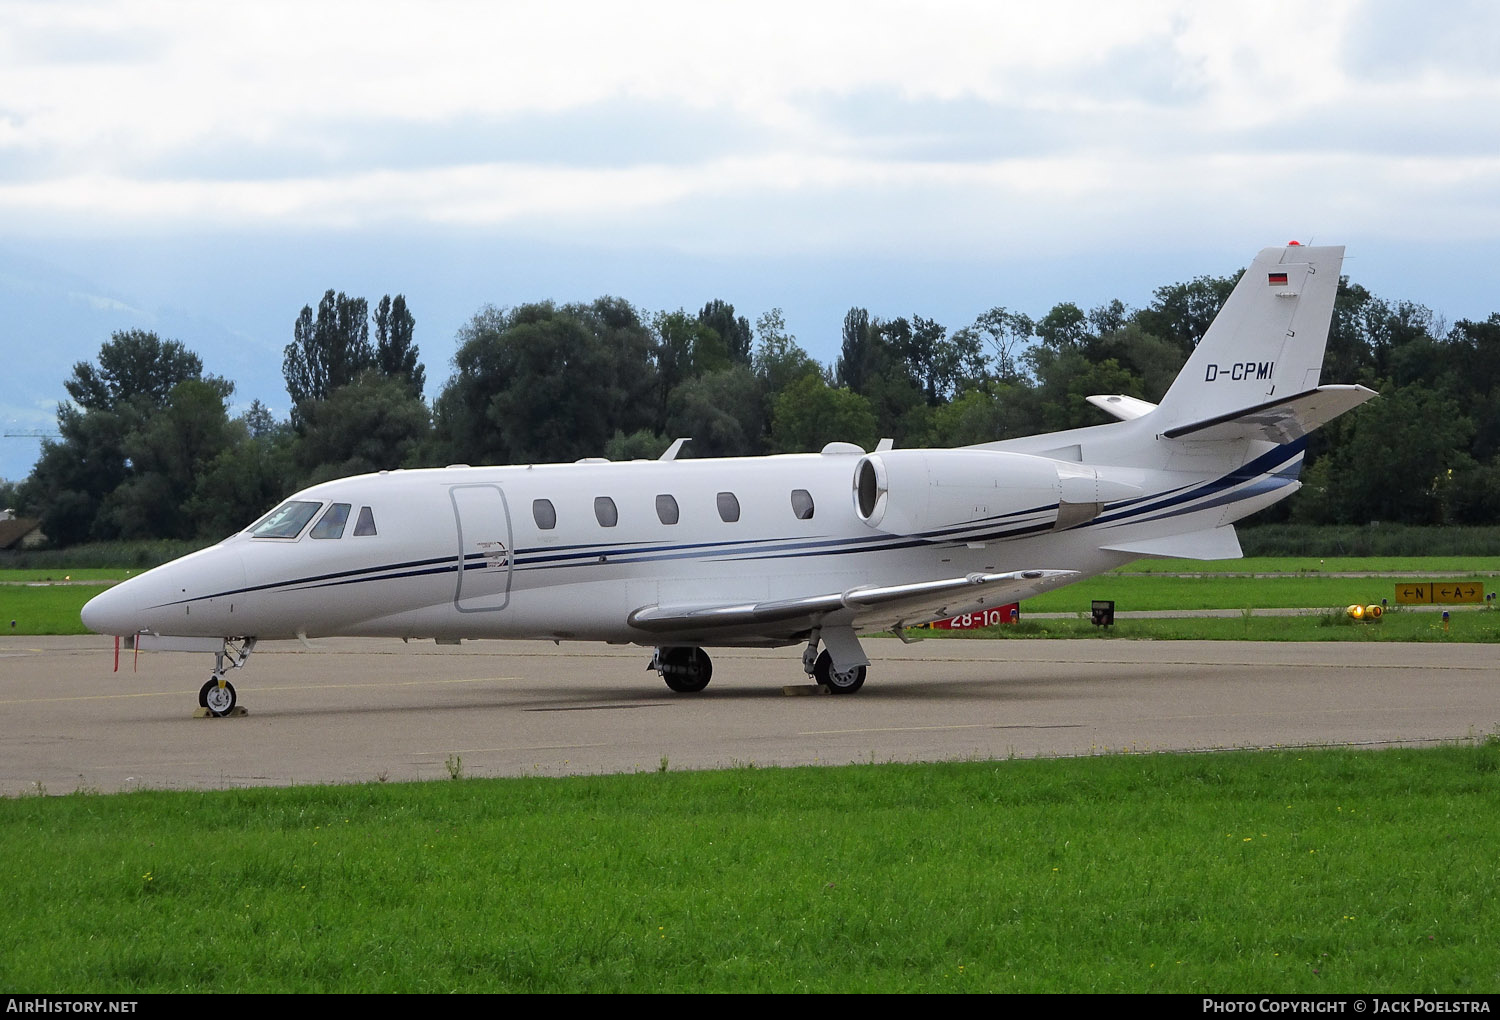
(571,551)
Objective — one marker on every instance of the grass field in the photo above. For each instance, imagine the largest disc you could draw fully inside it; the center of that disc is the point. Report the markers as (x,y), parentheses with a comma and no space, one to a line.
(35,608)
(1466,565)
(40,608)
(1161,592)
(1329,625)
(1297,871)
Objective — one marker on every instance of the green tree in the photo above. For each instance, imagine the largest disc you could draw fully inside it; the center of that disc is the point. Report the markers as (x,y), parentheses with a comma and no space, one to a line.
(997,410)
(809,414)
(543,382)
(733,331)
(1006,332)
(168,452)
(373,424)
(134,366)
(642,444)
(1182,312)
(857,354)
(396,353)
(722,411)
(249,476)
(779,360)
(1395,462)
(683,348)
(111,438)
(328,351)
(1472,352)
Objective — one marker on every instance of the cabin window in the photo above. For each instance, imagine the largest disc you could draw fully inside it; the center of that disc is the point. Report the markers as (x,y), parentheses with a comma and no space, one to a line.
(543,512)
(286,521)
(802,504)
(365,525)
(729,507)
(605,512)
(331,524)
(666,509)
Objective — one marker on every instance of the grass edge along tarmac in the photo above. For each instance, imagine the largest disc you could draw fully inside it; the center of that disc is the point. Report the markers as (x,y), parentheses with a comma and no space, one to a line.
(37,608)
(1297,871)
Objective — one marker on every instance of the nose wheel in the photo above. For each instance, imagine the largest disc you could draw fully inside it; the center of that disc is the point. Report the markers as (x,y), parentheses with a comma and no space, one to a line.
(217,696)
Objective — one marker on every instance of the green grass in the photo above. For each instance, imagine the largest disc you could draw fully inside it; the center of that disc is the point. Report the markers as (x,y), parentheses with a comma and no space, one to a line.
(1327,625)
(66,573)
(1290,871)
(40,609)
(44,608)
(1219,592)
(1321,565)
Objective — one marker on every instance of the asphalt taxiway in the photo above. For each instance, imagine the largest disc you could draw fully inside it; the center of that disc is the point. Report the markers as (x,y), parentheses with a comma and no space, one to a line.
(358,711)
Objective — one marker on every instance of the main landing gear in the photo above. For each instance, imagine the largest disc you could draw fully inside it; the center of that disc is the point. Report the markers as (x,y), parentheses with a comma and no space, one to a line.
(839,669)
(686,670)
(218,696)
(838,681)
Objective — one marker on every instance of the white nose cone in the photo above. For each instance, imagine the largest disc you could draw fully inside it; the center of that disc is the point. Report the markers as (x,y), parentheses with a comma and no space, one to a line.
(181,598)
(110,612)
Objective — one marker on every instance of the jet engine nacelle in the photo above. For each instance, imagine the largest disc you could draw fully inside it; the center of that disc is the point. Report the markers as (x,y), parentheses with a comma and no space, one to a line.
(939,495)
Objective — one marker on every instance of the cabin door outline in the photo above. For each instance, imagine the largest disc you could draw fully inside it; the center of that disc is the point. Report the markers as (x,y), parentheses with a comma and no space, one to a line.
(485,543)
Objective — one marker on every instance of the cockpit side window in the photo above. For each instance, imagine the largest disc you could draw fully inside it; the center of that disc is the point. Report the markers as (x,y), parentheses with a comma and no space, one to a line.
(286,521)
(366,523)
(331,524)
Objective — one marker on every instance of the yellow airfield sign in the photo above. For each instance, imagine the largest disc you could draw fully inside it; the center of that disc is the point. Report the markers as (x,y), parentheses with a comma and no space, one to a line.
(1431,592)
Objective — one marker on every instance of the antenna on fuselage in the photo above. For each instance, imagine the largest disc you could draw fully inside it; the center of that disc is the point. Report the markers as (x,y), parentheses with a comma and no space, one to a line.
(675,448)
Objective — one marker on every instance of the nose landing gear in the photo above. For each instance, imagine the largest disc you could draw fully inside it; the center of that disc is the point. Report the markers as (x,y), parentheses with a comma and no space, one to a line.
(217,697)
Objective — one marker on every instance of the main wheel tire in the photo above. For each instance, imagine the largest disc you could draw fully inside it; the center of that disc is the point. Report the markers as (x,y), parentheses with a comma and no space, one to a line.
(845,682)
(219,701)
(686,670)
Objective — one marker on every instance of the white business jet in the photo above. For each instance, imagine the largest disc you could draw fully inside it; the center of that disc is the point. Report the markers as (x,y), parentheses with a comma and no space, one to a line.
(807,549)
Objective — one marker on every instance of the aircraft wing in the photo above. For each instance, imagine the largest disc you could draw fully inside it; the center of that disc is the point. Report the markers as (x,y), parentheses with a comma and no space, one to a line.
(894,604)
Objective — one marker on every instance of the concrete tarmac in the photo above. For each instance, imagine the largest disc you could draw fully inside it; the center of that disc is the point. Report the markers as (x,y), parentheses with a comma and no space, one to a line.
(358,711)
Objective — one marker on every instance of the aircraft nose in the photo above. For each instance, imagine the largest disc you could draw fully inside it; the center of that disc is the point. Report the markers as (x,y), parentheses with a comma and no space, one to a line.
(177,598)
(109,612)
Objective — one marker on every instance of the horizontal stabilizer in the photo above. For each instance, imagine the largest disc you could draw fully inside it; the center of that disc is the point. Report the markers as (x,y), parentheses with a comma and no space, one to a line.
(1280,421)
(1121,406)
(1212,544)
(896,601)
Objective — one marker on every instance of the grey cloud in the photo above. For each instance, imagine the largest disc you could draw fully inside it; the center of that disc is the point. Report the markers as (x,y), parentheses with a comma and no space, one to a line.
(611,134)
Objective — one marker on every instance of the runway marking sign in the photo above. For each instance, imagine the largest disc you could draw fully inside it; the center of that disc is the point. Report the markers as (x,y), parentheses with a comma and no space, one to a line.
(1438,592)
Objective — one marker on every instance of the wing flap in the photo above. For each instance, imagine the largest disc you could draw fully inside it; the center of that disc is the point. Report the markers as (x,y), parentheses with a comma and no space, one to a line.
(910,601)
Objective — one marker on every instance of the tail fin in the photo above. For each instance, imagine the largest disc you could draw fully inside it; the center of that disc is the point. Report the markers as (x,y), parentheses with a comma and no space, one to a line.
(1266,345)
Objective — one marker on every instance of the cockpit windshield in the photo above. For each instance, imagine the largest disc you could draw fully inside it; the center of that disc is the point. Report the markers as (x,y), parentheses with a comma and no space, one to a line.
(286,521)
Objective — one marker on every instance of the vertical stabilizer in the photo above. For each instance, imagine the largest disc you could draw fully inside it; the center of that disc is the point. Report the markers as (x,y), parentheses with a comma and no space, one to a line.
(1267,342)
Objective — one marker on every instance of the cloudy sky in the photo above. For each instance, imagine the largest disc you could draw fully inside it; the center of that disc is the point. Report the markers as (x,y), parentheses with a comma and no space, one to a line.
(206,170)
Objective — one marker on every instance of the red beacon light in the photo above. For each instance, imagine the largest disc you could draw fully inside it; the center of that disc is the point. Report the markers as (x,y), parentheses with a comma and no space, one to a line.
(1294,244)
